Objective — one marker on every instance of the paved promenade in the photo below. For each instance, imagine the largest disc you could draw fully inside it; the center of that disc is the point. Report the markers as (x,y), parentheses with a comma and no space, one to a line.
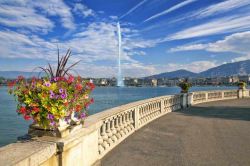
(215,133)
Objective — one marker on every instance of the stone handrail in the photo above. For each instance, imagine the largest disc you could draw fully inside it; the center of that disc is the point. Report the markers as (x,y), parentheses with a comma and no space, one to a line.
(207,96)
(122,121)
(105,130)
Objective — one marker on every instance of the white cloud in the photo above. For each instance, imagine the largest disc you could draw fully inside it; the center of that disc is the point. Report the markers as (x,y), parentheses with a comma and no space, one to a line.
(33,14)
(56,8)
(241,58)
(83,10)
(221,7)
(218,26)
(237,43)
(196,66)
(15,16)
(218,8)
(179,5)
(133,9)
(95,44)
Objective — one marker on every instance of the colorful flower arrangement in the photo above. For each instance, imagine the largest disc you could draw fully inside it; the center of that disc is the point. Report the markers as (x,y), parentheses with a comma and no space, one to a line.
(46,101)
(53,98)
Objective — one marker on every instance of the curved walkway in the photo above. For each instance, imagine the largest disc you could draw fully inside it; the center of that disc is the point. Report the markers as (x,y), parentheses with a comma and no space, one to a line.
(215,133)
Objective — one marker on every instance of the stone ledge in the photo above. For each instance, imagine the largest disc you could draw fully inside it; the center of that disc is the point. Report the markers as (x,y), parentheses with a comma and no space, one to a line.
(73,138)
(26,154)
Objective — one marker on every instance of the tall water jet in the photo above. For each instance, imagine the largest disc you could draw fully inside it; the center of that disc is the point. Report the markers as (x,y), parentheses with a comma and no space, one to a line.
(120,82)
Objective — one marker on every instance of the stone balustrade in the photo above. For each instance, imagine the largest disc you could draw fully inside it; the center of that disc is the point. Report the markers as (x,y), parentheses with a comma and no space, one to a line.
(129,118)
(105,130)
(207,96)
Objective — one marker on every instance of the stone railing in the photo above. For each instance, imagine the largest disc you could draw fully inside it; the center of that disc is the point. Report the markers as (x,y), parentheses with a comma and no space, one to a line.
(122,121)
(207,96)
(103,131)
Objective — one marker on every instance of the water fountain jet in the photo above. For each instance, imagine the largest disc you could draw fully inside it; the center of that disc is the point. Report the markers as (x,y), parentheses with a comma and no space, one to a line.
(120,82)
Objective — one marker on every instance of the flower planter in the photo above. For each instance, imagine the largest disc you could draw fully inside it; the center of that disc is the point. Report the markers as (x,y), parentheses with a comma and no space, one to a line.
(56,103)
(61,131)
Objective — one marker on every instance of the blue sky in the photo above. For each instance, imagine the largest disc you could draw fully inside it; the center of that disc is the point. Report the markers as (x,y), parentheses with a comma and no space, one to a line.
(158,35)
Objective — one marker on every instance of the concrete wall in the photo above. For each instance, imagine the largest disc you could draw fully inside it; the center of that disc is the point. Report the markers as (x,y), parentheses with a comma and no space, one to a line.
(103,131)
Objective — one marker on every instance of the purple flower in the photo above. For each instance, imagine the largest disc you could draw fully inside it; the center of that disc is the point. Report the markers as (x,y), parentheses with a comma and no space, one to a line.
(56,79)
(63,96)
(52,123)
(61,90)
(50,117)
(67,119)
(83,115)
(52,95)
(48,84)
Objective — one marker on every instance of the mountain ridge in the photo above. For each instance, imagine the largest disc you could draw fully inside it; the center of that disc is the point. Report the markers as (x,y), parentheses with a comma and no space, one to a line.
(229,69)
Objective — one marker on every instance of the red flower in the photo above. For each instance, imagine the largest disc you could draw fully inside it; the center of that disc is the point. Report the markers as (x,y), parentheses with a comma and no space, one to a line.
(90,85)
(35,109)
(79,87)
(91,101)
(11,84)
(78,108)
(26,117)
(22,110)
(70,79)
(66,104)
(86,105)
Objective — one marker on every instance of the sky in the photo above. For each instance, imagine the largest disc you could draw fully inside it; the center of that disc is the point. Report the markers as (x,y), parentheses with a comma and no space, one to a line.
(157,35)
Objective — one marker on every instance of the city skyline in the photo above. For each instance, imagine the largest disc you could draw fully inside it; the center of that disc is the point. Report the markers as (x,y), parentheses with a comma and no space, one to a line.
(158,36)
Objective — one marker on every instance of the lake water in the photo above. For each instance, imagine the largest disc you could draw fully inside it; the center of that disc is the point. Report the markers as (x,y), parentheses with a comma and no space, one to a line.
(12,125)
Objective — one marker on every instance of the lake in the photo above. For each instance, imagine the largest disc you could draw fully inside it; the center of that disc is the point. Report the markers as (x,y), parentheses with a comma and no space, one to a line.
(12,125)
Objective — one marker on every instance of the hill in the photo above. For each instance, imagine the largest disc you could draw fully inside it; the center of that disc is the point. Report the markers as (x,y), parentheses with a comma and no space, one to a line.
(174,74)
(229,69)
(15,74)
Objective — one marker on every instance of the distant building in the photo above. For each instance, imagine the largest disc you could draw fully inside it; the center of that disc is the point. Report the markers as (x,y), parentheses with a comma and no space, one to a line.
(131,81)
(154,82)
(245,78)
(235,79)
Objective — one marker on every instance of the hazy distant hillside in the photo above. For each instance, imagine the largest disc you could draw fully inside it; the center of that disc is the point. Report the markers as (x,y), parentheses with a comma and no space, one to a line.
(175,74)
(237,68)
(15,74)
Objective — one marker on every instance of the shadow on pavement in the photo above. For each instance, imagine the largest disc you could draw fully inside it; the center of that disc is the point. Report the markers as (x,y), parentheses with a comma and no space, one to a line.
(223,112)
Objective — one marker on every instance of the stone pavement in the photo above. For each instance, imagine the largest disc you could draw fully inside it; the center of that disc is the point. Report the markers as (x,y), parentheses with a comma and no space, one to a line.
(215,133)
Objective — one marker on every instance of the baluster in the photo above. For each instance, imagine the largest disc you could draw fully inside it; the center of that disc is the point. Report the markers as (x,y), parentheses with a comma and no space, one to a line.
(117,128)
(140,116)
(113,130)
(128,121)
(125,123)
(131,120)
(104,136)
(143,115)
(109,133)
(100,142)
(148,112)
